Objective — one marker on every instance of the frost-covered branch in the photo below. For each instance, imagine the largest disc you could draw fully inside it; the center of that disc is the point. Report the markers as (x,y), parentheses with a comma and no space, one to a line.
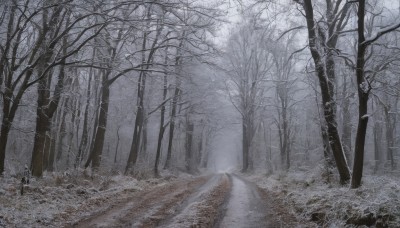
(380,33)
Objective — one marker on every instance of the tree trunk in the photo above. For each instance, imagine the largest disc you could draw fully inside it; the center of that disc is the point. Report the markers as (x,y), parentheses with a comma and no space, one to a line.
(11,101)
(73,125)
(46,150)
(200,152)
(377,145)
(327,149)
(172,124)
(143,147)
(363,93)
(42,126)
(96,152)
(205,147)
(360,140)
(284,133)
(97,101)
(47,106)
(85,132)
(162,117)
(7,96)
(281,149)
(62,130)
(140,116)
(245,145)
(117,146)
(137,131)
(327,99)
(268,154)
(346,134)
(188,144)
(52,151)
(390,137)
(5,130)
(174,103)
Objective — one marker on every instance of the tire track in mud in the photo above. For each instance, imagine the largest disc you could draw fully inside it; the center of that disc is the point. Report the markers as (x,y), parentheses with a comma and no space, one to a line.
(150,206)
(220,200)
(204,208)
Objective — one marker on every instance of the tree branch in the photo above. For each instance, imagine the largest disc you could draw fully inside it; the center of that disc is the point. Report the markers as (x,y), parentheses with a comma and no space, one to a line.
(380,33)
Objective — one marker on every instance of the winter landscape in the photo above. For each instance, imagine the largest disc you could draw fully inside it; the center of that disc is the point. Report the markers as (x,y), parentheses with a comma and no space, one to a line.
(199,113)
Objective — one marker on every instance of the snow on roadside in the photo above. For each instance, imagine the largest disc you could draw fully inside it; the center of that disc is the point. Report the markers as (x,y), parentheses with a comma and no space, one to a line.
(376,203)
(58,197)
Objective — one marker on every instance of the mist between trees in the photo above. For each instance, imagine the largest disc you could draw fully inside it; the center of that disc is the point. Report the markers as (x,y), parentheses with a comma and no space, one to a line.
(142,86)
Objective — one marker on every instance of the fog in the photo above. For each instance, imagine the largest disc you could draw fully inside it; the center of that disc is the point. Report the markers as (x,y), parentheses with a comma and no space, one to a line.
(199,100)
(226,150)
(225,86)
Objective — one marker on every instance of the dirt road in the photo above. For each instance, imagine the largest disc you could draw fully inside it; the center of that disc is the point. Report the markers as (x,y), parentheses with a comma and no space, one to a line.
(220,200)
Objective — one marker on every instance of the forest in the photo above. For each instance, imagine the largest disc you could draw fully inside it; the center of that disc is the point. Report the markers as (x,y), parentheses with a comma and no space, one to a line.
(299,97)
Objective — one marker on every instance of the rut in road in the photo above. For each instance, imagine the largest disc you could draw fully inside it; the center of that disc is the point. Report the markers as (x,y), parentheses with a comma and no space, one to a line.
(202,208)
(145,209)
(220,200)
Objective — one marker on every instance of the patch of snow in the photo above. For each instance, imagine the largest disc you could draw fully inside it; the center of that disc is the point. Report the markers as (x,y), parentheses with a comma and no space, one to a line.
(333,205)
(364,87)
(366,116)
(49,201)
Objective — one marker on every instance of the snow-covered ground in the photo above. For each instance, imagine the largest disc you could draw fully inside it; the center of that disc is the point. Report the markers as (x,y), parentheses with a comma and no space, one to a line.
(65,198)
(59,197)
(376,203)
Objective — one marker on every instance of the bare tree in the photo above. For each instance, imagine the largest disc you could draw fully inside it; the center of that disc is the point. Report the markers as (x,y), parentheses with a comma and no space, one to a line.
(285,83)
(363,88)
(140,114)
(325,71)
(247,56)
(25,65)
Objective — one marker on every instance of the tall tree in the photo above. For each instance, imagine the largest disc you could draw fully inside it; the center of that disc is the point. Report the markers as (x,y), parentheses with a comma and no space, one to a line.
(248,65)
(174,103)
(47,105)
(162,115)
(285,89)
(25,65)
(324,71)
(363,89)
(141,88)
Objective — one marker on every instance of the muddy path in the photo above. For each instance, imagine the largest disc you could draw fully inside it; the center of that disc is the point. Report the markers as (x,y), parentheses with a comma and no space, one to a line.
(220,200)
(144,209)
(246,207)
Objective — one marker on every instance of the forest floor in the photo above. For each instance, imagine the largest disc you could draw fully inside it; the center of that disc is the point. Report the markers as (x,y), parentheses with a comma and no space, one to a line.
(56,198)
(292,199)
(311,197)
(78,200)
